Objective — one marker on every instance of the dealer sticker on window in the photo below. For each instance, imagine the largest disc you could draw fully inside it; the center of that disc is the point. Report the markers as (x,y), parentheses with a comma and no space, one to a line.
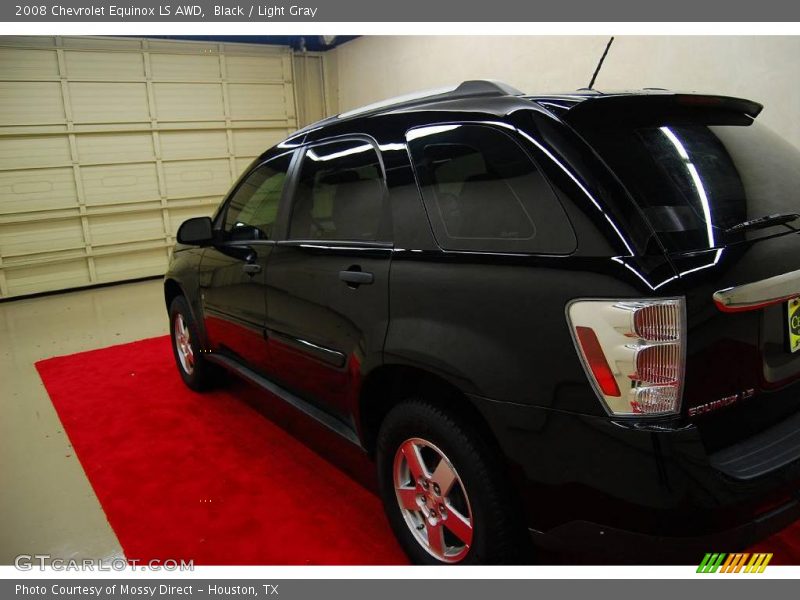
(793,312)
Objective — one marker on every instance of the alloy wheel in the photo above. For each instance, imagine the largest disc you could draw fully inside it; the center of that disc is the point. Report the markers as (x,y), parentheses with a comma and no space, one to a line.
(183,344)
(433,500)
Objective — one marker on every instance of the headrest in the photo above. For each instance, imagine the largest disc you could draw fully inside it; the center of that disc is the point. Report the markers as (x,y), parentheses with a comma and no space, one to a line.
(339,177)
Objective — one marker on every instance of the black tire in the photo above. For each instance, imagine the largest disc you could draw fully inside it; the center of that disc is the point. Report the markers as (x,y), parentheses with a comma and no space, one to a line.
(495,533)
(200,375)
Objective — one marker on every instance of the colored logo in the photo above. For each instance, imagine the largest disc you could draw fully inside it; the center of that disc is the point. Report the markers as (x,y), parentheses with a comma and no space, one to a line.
(794,317)
(794,325)
(734,563)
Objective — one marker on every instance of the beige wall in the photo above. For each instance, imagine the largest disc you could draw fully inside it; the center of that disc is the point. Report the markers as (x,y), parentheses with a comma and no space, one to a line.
(764,69)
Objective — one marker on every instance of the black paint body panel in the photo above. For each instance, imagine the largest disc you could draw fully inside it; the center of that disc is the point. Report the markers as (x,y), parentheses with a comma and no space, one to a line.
(492,326)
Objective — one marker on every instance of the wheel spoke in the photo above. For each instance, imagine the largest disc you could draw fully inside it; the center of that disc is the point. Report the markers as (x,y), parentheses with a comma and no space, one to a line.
(459,526)
(414,459)
(435,538)
(444,476)
(407,498)
(181,327)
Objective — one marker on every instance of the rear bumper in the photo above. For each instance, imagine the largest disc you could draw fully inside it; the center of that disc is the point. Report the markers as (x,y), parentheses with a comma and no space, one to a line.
(609,545)
(623,491)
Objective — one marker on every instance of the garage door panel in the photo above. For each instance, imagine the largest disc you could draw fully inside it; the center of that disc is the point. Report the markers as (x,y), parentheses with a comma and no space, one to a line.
(187,101)
(243,163)
(250,100)
(291,113)
(267,68)
(193,144)
(252,142)
(37,190)
(102,65)
(91,43)
(118,184)
(184,66)
(199,203)
(17,63)
(31,103)
(114,147)
(123,207)
(34,151)
(179,215)
(117,267)
(34,237)
(168,46)
(104,154)
(24,41)
(122,228)
(43,278)
(197,177)
(108,102)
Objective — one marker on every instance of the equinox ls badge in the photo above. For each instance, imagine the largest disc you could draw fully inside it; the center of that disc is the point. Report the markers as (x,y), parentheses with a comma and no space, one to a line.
(708,407)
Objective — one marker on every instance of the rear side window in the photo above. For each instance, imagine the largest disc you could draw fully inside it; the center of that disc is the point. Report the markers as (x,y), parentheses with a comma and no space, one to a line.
(340,194)
(483,192)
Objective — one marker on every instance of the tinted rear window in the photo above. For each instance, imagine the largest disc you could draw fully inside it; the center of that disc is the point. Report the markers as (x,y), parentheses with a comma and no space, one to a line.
(694,180)
(483,192)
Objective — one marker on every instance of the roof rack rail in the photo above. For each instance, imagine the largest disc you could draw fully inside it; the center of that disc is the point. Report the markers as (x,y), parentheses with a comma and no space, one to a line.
(473,87)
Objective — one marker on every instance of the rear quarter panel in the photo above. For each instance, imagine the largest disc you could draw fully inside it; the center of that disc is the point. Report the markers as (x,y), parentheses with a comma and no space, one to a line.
(495,326)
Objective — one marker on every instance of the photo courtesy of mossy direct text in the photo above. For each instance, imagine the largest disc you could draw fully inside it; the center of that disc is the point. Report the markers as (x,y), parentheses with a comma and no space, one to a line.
(265,10)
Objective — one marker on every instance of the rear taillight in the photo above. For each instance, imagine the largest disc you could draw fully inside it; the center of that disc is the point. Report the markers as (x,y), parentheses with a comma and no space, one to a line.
(633,352)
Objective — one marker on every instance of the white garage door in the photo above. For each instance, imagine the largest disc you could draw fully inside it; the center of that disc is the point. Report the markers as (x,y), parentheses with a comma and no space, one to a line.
(108,144)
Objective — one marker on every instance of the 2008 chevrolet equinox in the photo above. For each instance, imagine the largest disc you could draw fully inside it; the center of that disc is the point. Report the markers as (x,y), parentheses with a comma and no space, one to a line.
(566,317)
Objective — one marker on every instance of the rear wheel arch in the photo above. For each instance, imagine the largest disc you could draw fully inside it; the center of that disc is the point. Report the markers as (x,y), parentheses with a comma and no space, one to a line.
(388,385)
(401,402)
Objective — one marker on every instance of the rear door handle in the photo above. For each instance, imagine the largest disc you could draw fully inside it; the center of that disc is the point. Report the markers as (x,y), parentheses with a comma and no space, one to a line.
(251,268)
(356,278)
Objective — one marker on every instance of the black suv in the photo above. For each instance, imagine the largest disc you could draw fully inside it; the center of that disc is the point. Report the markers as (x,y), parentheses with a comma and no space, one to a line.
(573,316)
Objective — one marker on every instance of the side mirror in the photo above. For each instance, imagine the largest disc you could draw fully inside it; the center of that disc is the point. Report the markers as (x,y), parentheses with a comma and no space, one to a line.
(196,232)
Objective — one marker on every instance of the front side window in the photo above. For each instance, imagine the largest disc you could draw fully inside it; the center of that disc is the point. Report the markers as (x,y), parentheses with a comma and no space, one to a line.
(483,192)
(253,208)
(340,194)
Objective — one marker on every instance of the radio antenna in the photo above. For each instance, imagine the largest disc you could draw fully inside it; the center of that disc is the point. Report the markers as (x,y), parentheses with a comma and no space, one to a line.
(600,64)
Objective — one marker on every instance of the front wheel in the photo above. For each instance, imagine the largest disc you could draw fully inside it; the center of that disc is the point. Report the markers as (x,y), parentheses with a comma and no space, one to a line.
(443,490)
(194,369)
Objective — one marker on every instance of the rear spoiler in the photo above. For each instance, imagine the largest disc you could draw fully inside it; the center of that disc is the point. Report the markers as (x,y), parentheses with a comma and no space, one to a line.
(628,108)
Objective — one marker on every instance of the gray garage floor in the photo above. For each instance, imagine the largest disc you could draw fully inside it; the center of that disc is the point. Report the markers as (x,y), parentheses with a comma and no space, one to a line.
(46,503)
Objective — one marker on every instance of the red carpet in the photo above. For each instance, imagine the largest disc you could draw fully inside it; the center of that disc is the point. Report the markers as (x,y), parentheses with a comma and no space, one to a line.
(205,476)
(208,477)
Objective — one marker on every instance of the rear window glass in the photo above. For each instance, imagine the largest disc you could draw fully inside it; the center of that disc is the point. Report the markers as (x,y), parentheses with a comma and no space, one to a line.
(695,180)
(483,192)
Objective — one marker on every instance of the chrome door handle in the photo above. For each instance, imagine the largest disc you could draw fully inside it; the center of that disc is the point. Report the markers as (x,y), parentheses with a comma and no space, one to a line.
(251,268)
